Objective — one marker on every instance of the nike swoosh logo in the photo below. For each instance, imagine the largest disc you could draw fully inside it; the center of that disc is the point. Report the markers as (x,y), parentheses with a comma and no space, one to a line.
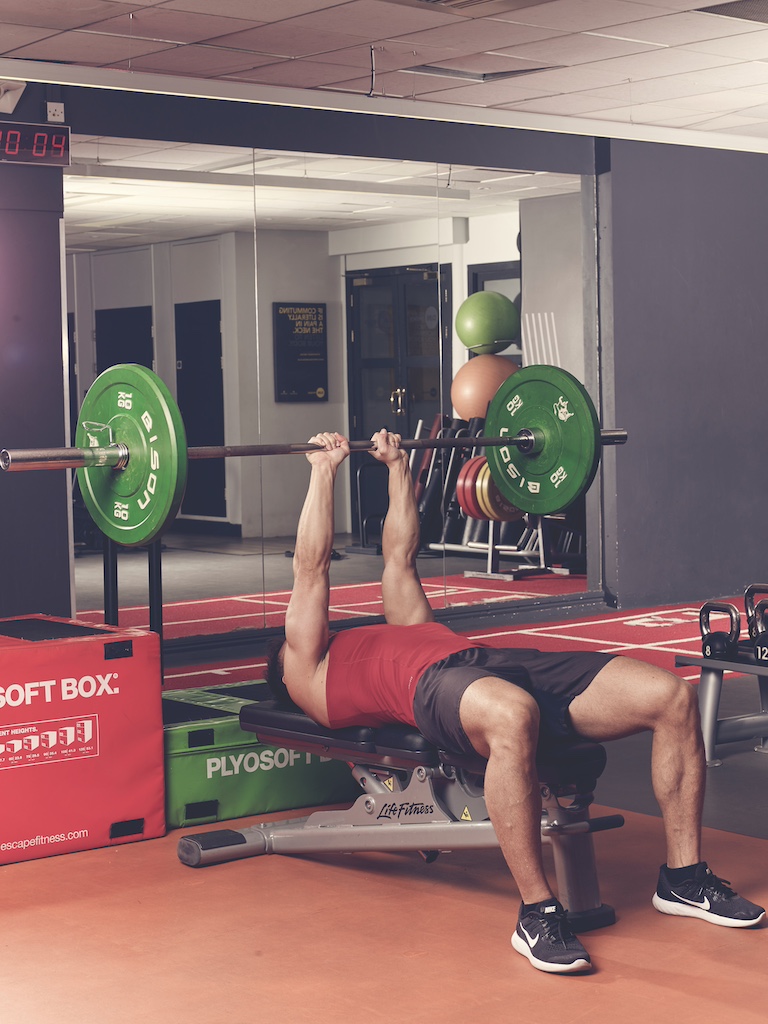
(531,942)
(701,904)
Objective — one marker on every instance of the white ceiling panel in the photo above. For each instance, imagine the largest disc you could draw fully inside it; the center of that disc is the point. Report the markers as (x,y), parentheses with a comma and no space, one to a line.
(752,46)
(681,29)
(309,75)
(727,99)
(172,26)
(756,130)
(60,14)
(88,47)
(582,48)
(13,36)
(287,39)
(659,63)
(371,19)
(203,61)
(486,94)
(401,84)
(582,15)
(388,55)
(575,105)
(248,10)
(473,36)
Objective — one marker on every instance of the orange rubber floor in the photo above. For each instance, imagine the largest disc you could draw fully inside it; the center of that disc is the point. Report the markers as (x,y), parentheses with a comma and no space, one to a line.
(128,934)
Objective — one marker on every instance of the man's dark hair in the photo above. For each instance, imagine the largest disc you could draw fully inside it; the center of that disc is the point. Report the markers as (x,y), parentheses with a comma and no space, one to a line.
(274,678)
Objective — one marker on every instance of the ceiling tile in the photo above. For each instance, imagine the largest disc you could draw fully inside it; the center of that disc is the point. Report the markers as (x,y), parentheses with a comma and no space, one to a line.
(59,14)
(717,124)
(659,63)
(578,78)
(750,46)
(674,5)
(734,76)
(644,113)
(89,48)
(171,26)
(484,94)
(303,74)
(755,130)
(727,99)
(574,105)
(14,36)
(678,29)
(286,39)
(652,90)
(396,84)
(387,55)
(581,16)
(257,11)
(468,36)
(377,19)
(579,48)
(205,61)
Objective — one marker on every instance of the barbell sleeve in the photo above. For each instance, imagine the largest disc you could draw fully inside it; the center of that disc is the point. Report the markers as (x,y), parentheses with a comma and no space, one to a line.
(19,460)
(117,456)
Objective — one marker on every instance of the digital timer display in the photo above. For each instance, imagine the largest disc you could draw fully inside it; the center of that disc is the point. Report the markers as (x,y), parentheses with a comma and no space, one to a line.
(34,144)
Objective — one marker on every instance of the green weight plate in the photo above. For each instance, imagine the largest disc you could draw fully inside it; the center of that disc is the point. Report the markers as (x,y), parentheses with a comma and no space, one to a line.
(128,403)
(554,405)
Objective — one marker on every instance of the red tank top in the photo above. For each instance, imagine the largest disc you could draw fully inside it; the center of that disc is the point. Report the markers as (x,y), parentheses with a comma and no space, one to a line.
(373,670)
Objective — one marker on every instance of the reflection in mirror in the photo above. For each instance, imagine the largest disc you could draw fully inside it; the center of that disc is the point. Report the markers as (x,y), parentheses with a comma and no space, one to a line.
(281,293)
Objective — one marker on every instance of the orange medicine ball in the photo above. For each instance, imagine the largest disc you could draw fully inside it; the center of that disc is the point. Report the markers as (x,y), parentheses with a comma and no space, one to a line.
(477,381)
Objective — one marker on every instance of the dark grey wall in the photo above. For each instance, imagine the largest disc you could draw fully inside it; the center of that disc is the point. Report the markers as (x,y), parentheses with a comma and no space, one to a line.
(688,230)
(33,506)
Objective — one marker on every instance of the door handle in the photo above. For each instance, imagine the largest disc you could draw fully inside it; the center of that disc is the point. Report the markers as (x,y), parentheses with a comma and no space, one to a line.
(396,401)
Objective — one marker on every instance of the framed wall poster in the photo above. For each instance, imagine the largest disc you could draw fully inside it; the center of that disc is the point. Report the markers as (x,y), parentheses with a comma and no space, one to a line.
(301,351)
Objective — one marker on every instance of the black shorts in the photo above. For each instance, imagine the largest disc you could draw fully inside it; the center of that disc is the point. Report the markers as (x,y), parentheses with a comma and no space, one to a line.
(552,679)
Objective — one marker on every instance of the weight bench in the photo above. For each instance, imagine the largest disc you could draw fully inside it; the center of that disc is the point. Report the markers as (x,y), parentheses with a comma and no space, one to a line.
(416,797)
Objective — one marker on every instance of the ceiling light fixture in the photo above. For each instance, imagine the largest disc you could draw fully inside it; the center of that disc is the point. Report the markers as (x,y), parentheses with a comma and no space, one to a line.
(475,76)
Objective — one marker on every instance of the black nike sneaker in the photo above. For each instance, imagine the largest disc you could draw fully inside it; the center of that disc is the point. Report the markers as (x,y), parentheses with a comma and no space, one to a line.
(545,937)
(705,896)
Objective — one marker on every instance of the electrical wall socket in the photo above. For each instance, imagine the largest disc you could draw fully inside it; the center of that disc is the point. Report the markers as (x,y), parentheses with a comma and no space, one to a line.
(55,112)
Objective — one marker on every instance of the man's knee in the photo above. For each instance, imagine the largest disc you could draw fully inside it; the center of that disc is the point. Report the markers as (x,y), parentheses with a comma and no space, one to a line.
(680,700)
(499,718)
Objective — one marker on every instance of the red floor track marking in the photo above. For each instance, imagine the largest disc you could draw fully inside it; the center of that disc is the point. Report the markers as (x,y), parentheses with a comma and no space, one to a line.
(655,635)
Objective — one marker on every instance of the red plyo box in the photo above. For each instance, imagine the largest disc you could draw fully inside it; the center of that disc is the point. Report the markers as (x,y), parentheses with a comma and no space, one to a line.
(81,737)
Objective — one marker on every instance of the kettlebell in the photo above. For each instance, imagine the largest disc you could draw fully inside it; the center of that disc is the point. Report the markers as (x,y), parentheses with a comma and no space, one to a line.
(720,645)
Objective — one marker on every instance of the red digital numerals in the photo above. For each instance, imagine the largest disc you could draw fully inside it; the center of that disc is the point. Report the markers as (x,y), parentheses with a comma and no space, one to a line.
(42,146)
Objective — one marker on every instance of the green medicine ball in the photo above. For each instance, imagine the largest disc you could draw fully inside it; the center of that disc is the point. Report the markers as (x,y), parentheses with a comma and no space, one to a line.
(487,322)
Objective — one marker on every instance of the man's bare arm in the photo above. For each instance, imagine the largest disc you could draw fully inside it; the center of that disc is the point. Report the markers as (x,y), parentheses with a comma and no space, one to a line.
(306,620)
(404,600)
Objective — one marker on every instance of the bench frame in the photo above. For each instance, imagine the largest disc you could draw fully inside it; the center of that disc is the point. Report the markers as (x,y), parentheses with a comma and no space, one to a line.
(415,797)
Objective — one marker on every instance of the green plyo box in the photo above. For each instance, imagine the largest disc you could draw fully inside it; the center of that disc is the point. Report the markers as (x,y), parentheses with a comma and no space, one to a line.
(215,771)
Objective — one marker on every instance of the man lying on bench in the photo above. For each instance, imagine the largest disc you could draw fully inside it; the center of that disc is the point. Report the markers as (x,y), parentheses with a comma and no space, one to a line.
(465,696)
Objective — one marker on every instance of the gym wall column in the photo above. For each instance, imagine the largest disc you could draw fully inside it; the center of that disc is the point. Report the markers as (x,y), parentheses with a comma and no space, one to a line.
(34,507)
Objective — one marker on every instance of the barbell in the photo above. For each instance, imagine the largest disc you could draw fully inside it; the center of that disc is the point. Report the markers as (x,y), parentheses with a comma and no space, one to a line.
(131,453)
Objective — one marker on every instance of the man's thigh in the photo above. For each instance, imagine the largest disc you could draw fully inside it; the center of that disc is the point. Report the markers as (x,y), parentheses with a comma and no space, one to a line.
(627,696)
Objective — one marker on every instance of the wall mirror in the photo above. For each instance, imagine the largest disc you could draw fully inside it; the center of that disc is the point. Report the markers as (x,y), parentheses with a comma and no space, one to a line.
(208,262)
